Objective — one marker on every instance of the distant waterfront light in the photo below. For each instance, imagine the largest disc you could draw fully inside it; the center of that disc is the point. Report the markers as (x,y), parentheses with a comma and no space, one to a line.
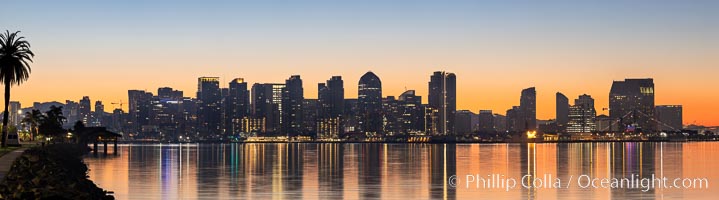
(531,134)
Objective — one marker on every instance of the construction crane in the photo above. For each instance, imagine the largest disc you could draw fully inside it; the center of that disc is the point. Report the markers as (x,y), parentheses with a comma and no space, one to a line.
(118,103)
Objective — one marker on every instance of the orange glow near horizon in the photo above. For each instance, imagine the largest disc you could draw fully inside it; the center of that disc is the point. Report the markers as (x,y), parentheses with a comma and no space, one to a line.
(496,49)
(494,89)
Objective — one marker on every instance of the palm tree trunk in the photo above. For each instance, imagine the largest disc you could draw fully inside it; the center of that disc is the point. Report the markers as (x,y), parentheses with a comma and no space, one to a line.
(5,115)
(33,132)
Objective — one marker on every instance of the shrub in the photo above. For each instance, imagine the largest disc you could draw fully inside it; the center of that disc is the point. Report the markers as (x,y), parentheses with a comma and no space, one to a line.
(52,172)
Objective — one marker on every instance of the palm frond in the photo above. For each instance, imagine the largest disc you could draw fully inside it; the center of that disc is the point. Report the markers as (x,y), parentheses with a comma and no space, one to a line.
(15,58)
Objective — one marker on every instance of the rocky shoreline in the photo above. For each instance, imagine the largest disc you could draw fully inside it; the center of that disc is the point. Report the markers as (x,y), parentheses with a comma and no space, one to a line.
(51,172)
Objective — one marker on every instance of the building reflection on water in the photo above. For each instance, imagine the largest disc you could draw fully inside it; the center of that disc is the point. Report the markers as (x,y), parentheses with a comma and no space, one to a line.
(330,167)
(442,166)
(393,171)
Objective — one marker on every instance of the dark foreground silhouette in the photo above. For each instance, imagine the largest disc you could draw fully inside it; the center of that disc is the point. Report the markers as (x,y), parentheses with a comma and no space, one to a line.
(51,172)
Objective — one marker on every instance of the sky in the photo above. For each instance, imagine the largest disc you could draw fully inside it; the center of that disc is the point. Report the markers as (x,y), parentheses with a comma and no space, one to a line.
(103,48)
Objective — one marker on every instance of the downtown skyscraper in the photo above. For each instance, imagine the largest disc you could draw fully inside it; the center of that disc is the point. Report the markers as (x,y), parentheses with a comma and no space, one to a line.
(443,98)
(292,98)
(523,118)
(669,117)
(411,111)
(330,108)
(528,107)
(139,110)
(369,104)
(582,115)
(209,111)
(486,121)
(632,102)
(84,110)
(237,104)
(267,105)
(562,111)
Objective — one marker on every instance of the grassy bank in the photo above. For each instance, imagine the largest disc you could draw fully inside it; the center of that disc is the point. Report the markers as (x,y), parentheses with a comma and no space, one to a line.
(51,172)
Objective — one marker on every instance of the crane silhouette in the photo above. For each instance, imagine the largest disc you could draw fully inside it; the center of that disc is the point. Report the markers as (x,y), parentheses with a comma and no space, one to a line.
(118,103)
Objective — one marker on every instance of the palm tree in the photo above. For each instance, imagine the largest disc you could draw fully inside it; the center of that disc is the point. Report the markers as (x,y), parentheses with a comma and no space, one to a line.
(32,119)
(14,68)
(51,123)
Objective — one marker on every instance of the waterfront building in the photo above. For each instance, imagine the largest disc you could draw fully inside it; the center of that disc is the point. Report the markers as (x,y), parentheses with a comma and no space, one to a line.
(443,98)
(369,104)
(632,102)
(669,117)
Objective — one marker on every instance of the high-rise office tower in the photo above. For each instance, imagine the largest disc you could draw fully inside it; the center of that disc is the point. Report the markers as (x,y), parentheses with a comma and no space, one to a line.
(292,98)
(139,109)
(117,121)
(336,96)
(431,119)
(411,112)
(670,117)
(528,105)
(330,108)
(350,123)
(167,93)
(267,104)
(209,110)
(99,114)
(632,102)
(486,121)
(70,111)
(309,116)
(582,115)
(500,123)
(562,111)
(515,121)
(443,98)
(391,116)
(463,122)
(369,104)
(84,110)
(237,104)
(189,111)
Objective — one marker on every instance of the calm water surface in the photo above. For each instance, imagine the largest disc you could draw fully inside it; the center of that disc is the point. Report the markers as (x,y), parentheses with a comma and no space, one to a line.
(401,171)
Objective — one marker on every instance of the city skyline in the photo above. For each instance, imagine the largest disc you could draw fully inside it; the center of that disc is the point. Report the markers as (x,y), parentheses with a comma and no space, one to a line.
(368,99)
(112,105)
(495,48)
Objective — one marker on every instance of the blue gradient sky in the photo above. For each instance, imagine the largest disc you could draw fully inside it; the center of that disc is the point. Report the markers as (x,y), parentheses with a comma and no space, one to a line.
(103,48)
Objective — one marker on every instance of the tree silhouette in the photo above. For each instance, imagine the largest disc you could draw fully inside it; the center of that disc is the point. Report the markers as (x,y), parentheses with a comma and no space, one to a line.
(33,120)
(80,133)
(14,68)
(51,124)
